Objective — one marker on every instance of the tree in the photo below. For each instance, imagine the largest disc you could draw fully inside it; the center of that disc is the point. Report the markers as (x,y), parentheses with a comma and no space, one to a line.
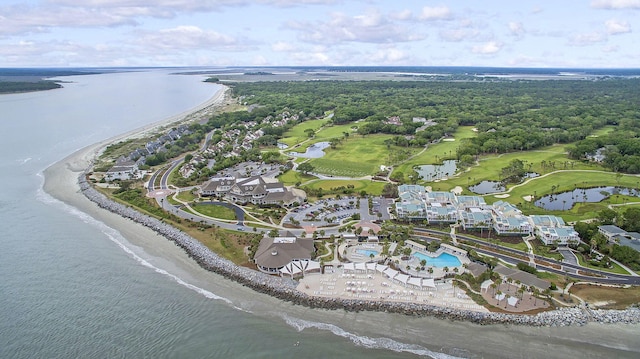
(631,219)
(305,167)
(607,216)
(310,132)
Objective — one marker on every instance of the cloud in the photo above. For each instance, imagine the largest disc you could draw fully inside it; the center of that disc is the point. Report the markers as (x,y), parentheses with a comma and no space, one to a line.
(615,27)
(188,38)
(487,48)
(457,35)
(587,39)
(615,4)
(259,60)
(48,14)
(20,19)
(371,27)
(282,46)
(435,13)
(402,15)
(388,56)
(516,28)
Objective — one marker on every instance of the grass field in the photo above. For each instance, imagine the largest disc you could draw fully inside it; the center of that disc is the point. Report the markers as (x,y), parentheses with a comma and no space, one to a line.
(186,196)
(291,177)
(297,134)
(356,157)
(439,151)
(214,211)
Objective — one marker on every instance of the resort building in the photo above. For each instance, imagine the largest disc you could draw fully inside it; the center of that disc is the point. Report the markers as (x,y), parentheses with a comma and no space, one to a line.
(256,189)
(418,204)
(472,212)
(475,218)
(509,220)
(553,230)
(412,202)
(274,254)
(123,170)
(611,232)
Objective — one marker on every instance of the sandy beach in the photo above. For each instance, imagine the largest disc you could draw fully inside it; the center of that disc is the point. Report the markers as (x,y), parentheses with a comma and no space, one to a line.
(61,182)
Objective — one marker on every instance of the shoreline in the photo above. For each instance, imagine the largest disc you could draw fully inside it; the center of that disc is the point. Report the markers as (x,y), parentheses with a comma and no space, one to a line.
(66,180)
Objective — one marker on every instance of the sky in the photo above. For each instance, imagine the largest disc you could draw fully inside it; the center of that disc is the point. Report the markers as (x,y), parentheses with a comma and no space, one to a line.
(501,33)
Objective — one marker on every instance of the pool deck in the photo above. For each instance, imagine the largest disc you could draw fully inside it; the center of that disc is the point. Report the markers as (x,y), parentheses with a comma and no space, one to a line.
(376,286)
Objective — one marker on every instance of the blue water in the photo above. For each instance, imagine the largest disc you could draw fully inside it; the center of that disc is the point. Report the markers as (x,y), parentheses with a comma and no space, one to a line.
(441,261)
(314,151)
(367,252)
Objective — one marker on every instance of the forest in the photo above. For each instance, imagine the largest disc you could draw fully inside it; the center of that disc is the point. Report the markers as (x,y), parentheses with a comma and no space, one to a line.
(504,113)
(27,86)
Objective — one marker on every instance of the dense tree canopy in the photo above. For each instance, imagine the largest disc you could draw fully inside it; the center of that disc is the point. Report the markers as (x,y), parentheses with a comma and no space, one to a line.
(504,112)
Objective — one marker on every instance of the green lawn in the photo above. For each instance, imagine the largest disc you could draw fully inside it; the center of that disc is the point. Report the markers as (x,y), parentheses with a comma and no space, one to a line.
(616,268)
(326,134)
(292,177)
(356,157)
(436,153)
(214,211)
(297,134)
(186,196)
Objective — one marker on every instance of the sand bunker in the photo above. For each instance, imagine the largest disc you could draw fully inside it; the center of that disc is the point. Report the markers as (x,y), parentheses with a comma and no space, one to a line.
(504,195)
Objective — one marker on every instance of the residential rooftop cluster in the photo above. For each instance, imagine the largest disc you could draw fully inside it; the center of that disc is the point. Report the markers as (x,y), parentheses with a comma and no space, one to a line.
(416,203)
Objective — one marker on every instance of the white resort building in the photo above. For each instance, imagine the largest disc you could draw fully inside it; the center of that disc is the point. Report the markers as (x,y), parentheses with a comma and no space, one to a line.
(471,212)
(256,189)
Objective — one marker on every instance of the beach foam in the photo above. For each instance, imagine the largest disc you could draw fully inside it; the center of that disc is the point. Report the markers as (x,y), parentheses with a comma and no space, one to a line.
(364,341)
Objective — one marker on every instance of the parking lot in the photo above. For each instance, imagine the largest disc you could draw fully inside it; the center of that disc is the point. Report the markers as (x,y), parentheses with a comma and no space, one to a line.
(334,211)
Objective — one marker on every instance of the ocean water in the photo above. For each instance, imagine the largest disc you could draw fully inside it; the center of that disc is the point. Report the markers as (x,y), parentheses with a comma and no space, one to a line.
(73,286)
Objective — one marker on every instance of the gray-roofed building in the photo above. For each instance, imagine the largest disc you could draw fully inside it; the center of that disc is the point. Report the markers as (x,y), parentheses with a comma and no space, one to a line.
(475,218)
(274,253)
(123,170)
(611,231)
(553,230)
(476,268)
(255,189)
(525,278)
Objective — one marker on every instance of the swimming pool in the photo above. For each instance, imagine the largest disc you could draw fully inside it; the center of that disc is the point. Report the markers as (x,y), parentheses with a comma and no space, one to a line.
(367,252)
(441,261)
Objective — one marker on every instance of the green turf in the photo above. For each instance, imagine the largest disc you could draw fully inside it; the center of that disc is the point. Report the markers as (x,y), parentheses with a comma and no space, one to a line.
(214,211)
(358,156)
(297,134)
(291,177)
(434,154)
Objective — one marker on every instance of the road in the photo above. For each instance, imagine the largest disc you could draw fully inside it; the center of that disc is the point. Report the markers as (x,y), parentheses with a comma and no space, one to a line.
(607,277)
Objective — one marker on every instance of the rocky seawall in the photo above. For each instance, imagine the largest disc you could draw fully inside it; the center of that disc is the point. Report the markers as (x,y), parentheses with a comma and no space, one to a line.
(285,288)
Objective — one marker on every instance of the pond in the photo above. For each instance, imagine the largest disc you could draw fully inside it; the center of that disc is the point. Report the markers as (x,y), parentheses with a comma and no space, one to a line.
(282,146)
(486,187)
(566,200)
(313,151)
(437,172)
